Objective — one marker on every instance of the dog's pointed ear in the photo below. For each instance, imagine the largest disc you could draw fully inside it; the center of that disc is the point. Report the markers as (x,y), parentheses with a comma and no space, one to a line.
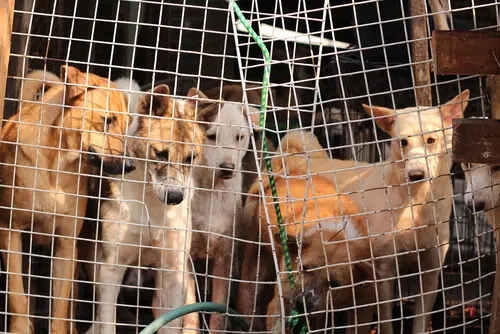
(384,117)
(76,79)
(455,108)
(206,110)
(155,102)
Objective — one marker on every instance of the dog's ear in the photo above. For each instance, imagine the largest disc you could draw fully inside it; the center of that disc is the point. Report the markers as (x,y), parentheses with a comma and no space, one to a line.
(155,102)
(455,108)
(206,111)
(254,117)
(77,81)
(384,117)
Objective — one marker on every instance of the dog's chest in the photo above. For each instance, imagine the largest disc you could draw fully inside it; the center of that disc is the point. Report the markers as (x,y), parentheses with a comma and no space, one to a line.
(148,217)
(218,210)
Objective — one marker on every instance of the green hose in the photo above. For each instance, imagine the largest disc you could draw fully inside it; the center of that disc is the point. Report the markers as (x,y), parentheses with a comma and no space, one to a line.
(191,308)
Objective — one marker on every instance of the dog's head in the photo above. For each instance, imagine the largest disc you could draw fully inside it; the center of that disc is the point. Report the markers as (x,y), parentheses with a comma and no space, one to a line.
(328,273)
(423,137)
(100,113)
(170,139)
(227,139)
(483,186)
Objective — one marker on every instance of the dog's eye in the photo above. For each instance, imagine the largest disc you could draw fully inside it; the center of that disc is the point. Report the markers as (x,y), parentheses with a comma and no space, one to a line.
(212,137)
(161,155)
(431,140)
(109,120)
(189,159)
(404,142)
(239,137)
(306,268)
(495,168)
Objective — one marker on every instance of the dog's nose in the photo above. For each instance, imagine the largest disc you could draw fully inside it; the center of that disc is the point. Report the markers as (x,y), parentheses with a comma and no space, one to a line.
(477,205)
(334,284)
(416,175)
(175,197)
(226,170)
(129,166)
(93,158)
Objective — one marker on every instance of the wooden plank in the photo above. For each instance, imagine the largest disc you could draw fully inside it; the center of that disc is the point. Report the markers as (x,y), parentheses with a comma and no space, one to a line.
(493,87)
(420,53)
(466,52)
(6,17)
(476,141)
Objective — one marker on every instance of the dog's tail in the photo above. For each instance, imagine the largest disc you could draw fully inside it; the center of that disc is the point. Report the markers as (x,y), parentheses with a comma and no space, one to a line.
(132,91)
(38,80)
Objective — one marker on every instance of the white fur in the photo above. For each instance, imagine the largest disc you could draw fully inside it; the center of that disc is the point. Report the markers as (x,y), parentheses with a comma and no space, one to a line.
(217,207)
(334,225)
(483,185)
(133,92)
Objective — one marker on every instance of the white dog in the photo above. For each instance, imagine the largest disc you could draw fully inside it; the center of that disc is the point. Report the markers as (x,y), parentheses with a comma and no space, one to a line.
(217,203)
(147,221)
(408,199)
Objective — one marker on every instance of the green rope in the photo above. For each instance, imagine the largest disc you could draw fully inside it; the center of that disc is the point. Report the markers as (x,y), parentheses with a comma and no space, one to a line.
(263,107)
(196,307)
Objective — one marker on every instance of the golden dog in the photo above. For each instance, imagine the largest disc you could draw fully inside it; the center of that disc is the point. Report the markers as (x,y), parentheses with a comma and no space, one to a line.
(45,177)
(323,231)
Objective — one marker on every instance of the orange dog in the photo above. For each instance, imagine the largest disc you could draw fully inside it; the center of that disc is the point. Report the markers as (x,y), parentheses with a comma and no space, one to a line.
(44,176)
(323,231)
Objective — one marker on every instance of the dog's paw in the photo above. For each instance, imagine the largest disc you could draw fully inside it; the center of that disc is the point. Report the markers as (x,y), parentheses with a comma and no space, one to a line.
(22,325)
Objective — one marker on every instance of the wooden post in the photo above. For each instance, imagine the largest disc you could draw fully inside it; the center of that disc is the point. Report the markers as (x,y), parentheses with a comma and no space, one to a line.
(420,53)
(6,17)
(493,85)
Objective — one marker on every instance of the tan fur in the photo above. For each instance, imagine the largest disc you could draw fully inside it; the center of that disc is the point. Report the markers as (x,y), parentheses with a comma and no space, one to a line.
(327,217)
(384,189)
(58,204)
(170,140)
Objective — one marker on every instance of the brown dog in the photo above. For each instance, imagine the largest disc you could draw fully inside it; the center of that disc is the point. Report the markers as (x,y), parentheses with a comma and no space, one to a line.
(324,232)
(45,176)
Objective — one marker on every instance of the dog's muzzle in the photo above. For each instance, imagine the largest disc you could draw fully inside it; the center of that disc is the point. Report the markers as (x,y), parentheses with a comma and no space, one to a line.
(416,175)
(226,170)
(109,166)
(476,205)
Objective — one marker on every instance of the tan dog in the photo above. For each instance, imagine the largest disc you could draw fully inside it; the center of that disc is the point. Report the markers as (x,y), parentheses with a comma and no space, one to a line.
(323,232)
(44,176)
(147,219)
(408,198)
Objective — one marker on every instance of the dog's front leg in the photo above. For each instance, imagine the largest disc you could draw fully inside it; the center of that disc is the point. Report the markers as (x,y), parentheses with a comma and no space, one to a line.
(18,302)
(64,272)
(171,287)
(192,320)
(430,282)
(109,276)
(220,284)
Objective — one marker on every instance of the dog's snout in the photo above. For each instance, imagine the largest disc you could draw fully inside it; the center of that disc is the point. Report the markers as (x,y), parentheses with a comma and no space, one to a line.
(416,175)
(476,205)
(226,170)
(129,166)
(334,284)
(93,158)
(175,196)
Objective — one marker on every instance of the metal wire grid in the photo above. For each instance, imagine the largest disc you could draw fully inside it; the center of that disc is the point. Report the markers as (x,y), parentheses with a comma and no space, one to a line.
(322,85)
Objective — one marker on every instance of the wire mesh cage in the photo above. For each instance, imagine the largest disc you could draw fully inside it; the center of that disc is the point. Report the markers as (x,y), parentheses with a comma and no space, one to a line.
(138,174)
